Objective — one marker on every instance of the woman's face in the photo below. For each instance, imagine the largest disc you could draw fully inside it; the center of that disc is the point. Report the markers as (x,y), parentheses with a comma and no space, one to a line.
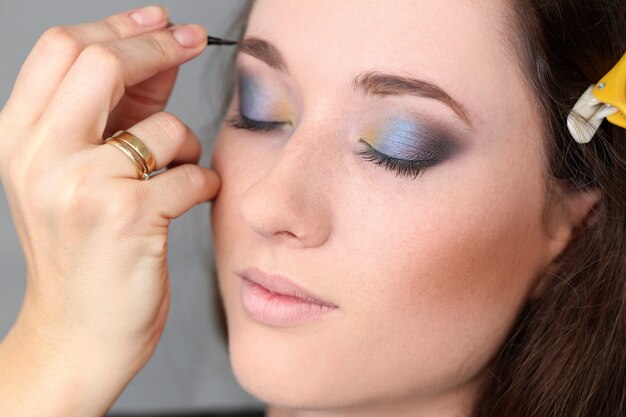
(427,273)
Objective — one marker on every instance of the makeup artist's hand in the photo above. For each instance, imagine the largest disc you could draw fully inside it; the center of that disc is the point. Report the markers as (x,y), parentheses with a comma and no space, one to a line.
(93,235)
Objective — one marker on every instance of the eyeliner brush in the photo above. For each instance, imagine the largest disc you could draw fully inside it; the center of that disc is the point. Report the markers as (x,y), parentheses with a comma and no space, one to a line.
(212,40)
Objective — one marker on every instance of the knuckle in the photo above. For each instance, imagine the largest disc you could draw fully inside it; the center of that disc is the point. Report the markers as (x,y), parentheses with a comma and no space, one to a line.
(125,205)
(157,247)
(104,58)
(23,165)
(114,25)
(15,172)
(60,39)
(193,175)
(160,47)
(128,209)
(172,126)
(76,195)
(79,193)
(80,190)
(115,208)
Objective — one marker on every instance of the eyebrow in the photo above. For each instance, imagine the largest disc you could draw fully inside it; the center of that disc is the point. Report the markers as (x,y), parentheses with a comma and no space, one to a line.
(373,83)
(265,51)
(379,84)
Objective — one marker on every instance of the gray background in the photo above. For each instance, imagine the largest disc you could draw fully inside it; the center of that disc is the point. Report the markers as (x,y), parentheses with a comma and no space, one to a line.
(190,369)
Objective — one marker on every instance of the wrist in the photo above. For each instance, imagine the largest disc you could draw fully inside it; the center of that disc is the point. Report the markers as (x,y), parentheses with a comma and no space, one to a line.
(48,373)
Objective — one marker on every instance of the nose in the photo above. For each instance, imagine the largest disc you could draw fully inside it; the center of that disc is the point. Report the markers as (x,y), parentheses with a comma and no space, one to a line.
(290,205)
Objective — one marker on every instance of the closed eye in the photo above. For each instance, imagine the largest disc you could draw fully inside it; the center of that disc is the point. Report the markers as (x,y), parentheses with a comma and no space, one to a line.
(402,167)
(239,121)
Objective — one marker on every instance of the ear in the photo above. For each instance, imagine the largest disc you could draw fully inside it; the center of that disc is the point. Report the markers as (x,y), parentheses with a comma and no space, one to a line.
(567,211)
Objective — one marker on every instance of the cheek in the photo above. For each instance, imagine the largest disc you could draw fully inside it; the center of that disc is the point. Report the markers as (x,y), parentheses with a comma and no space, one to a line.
(444,264)
(231,159)
(239,159)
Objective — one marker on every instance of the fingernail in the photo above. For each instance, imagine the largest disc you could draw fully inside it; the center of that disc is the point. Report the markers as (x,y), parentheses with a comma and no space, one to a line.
(189,35)
(149,16)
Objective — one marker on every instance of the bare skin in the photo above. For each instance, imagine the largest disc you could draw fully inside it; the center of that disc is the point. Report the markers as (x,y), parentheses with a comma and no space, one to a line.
(428,273)
(93,235)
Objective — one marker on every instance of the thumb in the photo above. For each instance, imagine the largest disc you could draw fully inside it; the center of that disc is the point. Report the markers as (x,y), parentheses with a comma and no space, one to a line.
(176,190)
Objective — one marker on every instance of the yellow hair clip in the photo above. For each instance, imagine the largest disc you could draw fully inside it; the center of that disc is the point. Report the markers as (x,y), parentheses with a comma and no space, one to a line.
(606,99)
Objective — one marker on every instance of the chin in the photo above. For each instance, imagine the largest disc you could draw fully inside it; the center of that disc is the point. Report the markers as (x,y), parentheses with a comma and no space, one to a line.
(291,368)
(294,367)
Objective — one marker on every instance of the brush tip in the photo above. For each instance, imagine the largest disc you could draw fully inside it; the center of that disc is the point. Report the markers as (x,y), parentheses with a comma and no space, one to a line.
(212,40)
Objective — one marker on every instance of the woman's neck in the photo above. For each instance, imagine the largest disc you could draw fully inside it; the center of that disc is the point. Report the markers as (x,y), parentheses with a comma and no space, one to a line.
(457,402)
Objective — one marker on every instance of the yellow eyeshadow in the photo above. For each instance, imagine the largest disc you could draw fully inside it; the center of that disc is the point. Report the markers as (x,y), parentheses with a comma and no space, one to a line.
(282,110)
(371,133)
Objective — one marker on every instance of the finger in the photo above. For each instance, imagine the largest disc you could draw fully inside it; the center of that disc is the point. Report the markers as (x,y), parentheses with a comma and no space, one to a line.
(142,100)
(58,48)
(97,81)
(164,134)
(175,191)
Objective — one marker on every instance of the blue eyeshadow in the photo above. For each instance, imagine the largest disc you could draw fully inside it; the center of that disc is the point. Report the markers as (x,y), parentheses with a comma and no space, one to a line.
(411,140)
(255,102)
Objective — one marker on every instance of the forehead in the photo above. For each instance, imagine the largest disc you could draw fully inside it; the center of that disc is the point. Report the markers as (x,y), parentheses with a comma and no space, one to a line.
(462,45)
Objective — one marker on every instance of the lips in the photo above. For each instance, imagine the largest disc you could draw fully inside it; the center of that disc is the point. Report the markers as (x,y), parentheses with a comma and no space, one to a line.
(283,286)
(276,301)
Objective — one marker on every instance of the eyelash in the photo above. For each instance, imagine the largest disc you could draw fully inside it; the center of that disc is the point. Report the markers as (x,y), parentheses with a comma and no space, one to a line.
(240,121)
(402,167)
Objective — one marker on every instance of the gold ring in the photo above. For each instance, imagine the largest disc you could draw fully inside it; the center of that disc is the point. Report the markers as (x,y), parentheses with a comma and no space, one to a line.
(136,150)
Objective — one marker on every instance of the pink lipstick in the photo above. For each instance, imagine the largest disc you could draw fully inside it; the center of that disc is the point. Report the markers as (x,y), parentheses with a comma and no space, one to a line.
(276,301)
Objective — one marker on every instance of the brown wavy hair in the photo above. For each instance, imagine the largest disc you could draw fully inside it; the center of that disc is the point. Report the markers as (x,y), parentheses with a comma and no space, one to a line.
(565,356)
